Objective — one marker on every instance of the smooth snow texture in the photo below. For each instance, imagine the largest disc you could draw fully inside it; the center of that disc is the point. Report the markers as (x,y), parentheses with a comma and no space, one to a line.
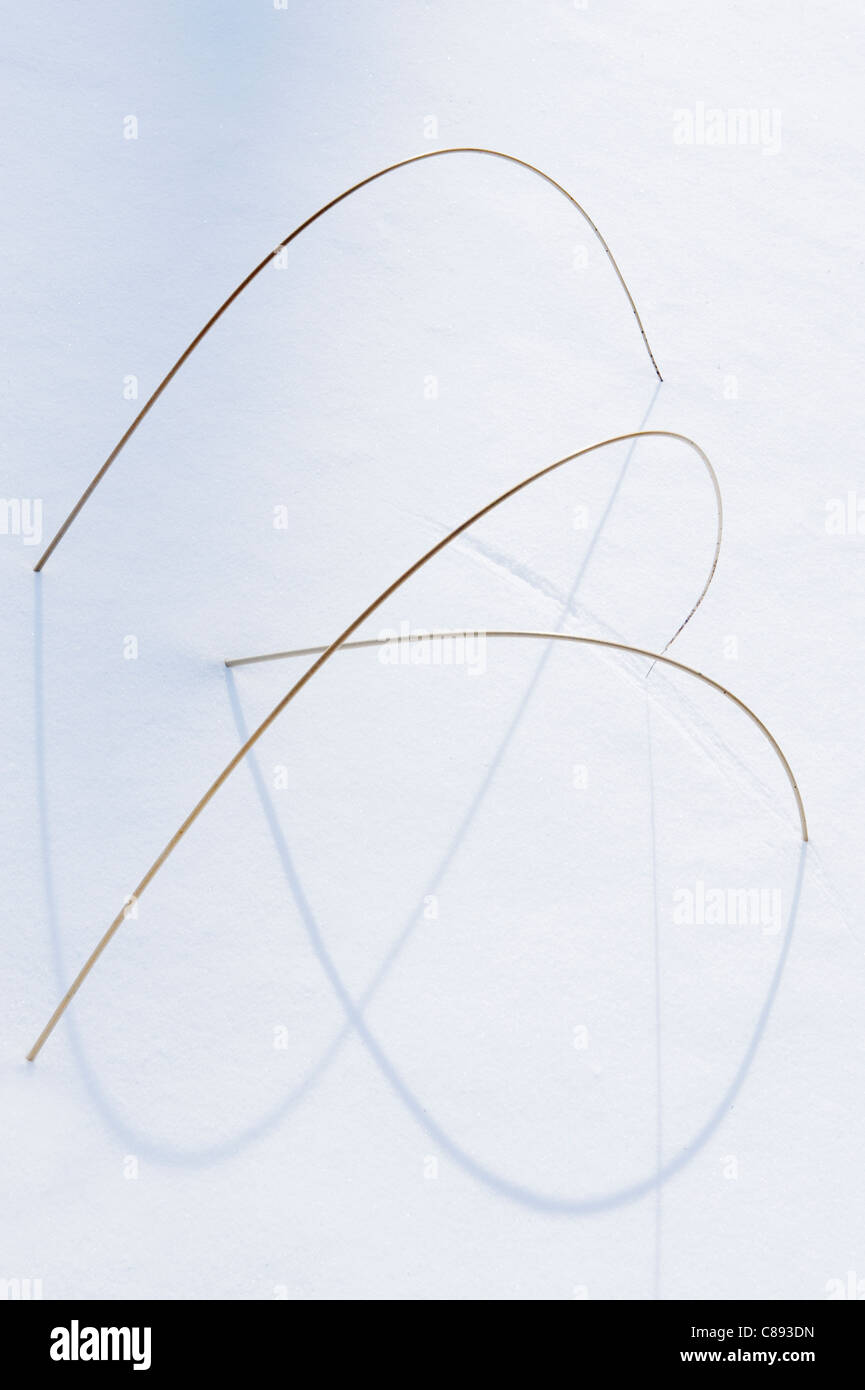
(491,866)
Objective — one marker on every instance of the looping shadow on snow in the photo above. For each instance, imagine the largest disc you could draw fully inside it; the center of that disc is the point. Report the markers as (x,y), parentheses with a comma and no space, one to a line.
(324,654)
(355,1021)
(138,1140)
(527,1196)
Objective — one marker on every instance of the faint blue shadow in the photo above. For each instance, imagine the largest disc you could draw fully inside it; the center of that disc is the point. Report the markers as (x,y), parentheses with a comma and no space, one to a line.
(139,1142)
(144,1146)
(502,1185)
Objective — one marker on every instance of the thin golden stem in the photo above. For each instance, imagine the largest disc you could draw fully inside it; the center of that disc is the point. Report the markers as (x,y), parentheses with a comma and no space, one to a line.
(550,637)
(325,655)
(214,318)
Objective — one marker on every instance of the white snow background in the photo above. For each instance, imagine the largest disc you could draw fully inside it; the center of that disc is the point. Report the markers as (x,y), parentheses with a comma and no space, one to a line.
(548,1088)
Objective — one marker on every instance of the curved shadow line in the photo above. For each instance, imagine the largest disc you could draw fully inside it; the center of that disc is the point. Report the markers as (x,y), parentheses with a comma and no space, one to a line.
(140,1142)
(371,178)
(339,641)
(491,771)
(143,1145)
(518,1192)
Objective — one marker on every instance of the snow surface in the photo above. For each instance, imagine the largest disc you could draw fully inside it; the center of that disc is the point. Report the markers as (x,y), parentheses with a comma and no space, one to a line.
(408,1015)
